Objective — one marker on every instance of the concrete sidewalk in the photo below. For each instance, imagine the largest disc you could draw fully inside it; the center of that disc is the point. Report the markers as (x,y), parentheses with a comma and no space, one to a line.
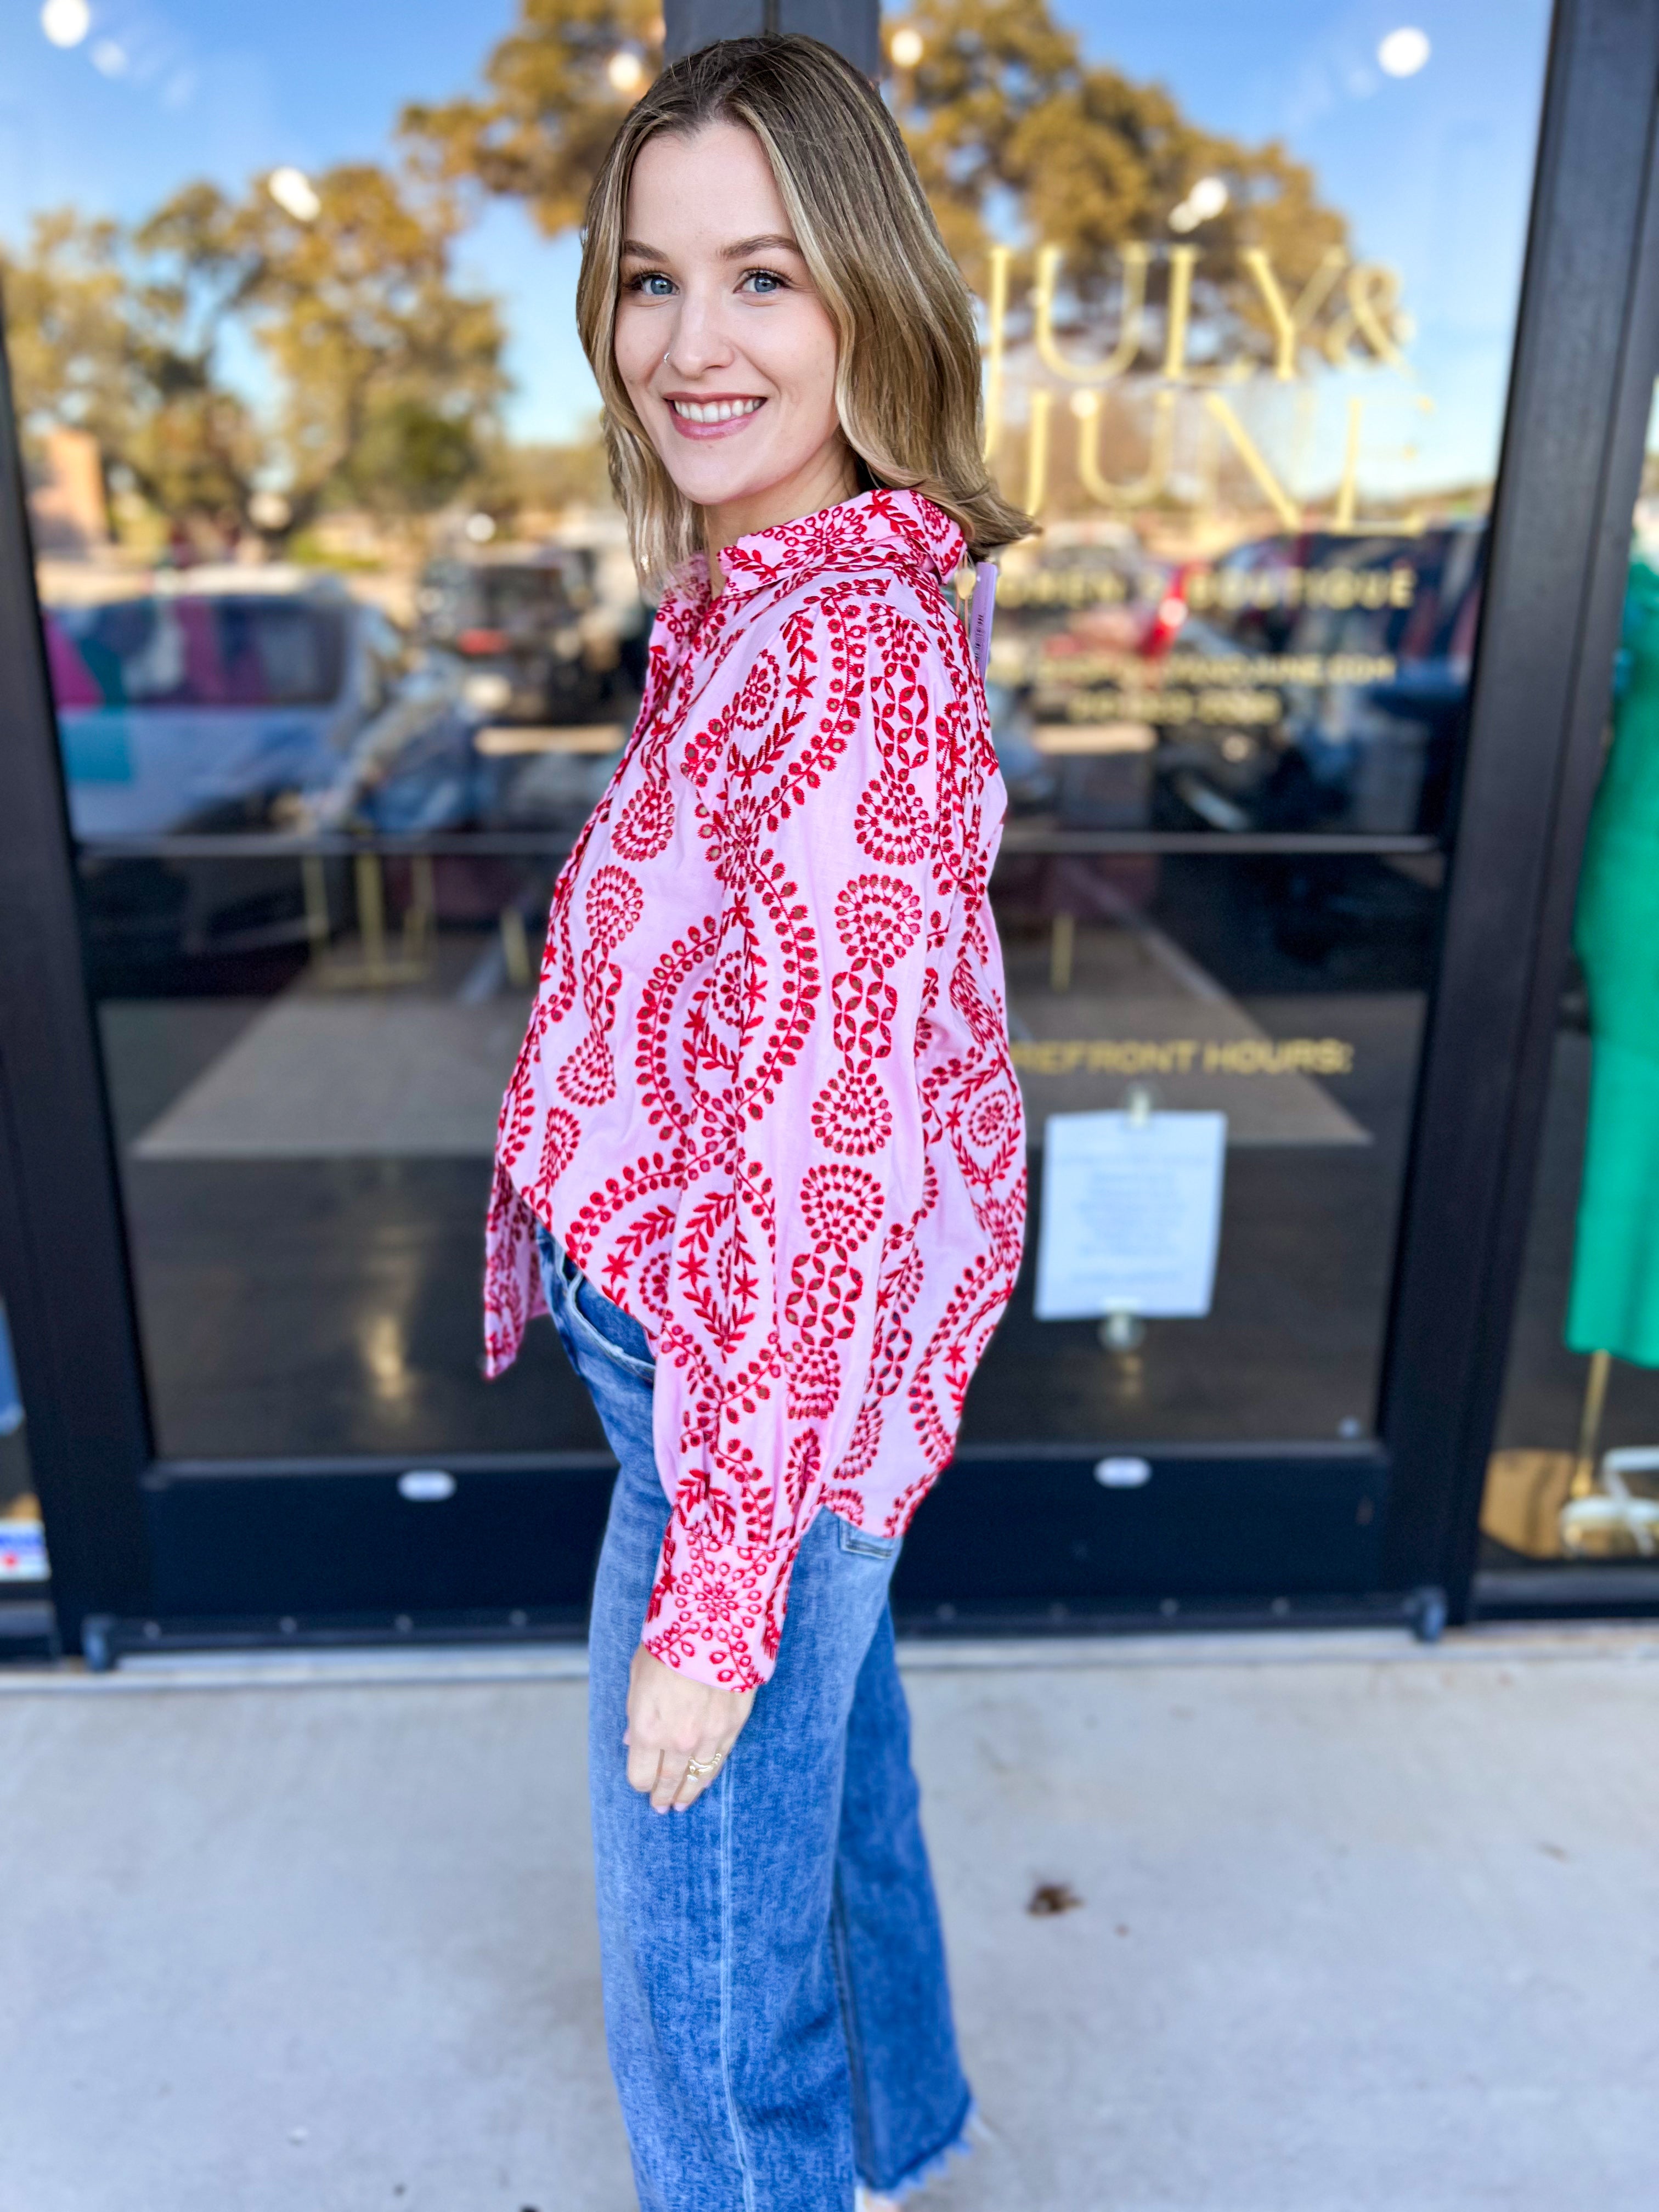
(1361,1924)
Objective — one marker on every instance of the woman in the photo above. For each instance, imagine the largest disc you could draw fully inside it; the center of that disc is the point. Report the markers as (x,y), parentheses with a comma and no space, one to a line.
(761,1154)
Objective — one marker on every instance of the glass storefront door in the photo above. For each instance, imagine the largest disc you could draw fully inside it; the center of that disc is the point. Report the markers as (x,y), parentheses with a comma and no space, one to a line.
(344,640)
(1570,1510)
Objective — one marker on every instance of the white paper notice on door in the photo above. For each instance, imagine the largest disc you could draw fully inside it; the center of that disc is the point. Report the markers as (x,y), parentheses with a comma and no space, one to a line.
(1131,1214)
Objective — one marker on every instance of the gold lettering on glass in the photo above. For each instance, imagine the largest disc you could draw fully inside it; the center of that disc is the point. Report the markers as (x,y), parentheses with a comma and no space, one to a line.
(1086,405)
(1372,292)
(1178,312)
(1345,314)
(1342,522)
(1291,323)
(1037,451)
(1250,453)
(997,324)
(1128,344)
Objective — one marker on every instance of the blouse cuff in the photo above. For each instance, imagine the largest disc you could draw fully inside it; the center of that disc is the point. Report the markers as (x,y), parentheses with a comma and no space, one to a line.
(716,1610)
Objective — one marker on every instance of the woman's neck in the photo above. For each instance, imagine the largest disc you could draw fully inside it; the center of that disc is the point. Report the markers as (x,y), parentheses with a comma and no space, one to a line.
(831,476)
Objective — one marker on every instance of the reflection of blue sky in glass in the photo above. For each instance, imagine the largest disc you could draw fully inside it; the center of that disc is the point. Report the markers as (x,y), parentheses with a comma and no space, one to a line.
(1433,172)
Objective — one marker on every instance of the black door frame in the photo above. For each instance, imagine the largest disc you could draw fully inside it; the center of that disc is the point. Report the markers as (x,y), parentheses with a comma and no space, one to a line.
(1586,355)
(1587,349)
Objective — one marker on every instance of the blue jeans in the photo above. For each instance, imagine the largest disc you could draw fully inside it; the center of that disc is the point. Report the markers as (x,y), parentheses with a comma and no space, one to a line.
(775,2001)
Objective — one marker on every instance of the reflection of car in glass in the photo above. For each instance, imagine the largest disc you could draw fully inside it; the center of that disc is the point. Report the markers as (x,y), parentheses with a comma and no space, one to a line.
(1085,593)
(235,701)
(255,703)
(1340,678)
(524,623)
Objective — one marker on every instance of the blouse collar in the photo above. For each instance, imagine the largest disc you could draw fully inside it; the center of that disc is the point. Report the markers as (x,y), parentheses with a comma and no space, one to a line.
(901,527)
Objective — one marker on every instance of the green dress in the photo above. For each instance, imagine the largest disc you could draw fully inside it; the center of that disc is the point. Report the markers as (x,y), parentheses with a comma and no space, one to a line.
(1614,1305)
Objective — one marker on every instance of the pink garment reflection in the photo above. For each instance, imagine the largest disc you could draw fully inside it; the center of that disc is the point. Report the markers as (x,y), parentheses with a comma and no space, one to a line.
(72,683)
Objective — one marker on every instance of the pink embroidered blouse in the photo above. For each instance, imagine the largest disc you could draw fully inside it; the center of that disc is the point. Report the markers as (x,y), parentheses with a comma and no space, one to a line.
(765,1099)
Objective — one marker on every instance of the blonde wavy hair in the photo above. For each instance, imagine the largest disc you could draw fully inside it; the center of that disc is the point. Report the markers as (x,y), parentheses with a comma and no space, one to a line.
(908,363)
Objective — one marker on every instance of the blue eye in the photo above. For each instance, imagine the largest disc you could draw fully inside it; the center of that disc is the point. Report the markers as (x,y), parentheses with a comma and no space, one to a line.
(652,285)
(765,281)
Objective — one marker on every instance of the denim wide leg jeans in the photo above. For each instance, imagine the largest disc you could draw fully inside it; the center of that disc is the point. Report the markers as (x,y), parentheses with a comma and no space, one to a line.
(775,2000)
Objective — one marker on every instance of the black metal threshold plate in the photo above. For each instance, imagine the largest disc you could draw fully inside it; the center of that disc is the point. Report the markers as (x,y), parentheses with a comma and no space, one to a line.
(1024,1537)
(1609,1589)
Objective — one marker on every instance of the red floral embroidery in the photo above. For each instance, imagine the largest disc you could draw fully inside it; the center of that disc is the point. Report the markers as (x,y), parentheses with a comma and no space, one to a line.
(765,1097)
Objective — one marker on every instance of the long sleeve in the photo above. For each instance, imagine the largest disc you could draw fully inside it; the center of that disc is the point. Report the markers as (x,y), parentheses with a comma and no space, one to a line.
(836,803)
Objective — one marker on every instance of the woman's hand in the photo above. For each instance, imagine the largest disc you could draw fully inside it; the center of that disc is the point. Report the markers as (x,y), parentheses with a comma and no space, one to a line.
(673,1721)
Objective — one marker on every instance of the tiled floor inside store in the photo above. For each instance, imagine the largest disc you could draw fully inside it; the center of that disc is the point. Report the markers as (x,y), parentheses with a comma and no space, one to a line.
(306,1172)
(306,1177)
(1359,1924)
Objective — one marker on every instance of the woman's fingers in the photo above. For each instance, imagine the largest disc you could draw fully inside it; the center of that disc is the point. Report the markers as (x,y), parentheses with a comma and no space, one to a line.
(643,1763)
(674,1779)
(679,1732)
(667,1776)
(670,1776)
(710,1758)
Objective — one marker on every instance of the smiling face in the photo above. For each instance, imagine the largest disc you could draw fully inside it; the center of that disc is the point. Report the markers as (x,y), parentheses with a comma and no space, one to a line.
(726,350)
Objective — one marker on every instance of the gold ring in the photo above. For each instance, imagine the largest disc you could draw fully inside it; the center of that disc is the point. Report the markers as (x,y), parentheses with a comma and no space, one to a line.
(701,1766)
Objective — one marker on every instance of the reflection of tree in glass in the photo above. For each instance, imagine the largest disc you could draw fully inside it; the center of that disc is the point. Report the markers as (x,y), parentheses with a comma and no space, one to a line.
(550,106)
(96,346)
(387,375)
(1017,136)
(1004,108)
